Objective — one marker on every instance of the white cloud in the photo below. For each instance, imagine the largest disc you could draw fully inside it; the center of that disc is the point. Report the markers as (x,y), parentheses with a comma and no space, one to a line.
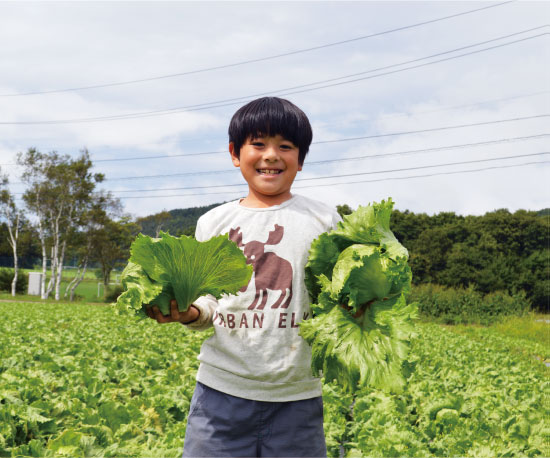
(64,45)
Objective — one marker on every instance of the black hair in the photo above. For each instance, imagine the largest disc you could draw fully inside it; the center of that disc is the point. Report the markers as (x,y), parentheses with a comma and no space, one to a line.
(269,116)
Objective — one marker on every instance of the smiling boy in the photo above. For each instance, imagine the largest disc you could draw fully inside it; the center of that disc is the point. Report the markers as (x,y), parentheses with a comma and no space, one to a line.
(255,394)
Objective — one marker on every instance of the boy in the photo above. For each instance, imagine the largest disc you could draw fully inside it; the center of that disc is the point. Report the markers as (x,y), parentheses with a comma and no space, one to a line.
(255,394)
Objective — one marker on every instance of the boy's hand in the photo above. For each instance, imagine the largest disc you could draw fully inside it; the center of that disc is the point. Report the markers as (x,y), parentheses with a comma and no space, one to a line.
(175,316)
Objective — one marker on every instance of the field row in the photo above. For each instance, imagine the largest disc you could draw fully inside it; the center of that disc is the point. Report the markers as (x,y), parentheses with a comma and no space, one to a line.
(77,380)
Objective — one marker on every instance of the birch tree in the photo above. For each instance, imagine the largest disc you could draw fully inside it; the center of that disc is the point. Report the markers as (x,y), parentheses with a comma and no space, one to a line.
(34,164)
(59,193)
(12,216)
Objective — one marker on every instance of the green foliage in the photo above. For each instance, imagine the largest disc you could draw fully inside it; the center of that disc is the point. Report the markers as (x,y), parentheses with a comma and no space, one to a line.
(114,388)
(182,269)
(497,251)
(466,305)
(28,246)
(6,278)
(359,265)
(113,293)
(344,210)
(367,351)
(457,402)
(101,389)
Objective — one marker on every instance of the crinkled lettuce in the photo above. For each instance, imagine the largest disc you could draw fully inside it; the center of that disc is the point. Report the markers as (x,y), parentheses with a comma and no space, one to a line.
(360,262)
(181,268)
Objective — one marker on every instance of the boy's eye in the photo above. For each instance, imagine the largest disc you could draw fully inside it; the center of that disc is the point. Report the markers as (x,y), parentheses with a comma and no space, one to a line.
(257,144)
(287,147)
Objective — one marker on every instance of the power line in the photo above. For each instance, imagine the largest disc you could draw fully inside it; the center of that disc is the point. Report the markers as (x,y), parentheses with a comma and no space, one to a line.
(455,172)
(420,167)
(366,137)
(380,68)
(279,92)
(261,59)
(347,159)
(433,129)
(332,123)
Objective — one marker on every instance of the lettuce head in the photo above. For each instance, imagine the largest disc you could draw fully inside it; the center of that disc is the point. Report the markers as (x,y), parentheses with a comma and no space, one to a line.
(181,268)
(360,262)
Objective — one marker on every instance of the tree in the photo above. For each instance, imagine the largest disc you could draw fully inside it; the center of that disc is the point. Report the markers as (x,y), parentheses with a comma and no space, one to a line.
(59,193)
(103,205)
(12,217)
(111,245)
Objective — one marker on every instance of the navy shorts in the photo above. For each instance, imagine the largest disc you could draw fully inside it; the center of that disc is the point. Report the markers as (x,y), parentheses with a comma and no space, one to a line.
(221,425)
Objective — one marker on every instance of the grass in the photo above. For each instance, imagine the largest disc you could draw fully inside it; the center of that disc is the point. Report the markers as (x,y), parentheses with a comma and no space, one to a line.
(69,273)
(532,327)
(529,334)
(85,292)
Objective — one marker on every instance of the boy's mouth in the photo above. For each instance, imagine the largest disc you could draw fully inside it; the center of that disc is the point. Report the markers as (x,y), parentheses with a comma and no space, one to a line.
(269,171)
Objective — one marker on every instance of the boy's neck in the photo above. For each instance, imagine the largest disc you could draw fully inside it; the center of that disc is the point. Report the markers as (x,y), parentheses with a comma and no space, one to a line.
(254,200)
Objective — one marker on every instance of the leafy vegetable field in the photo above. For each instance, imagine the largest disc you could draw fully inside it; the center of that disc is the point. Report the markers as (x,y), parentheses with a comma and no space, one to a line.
(78,380)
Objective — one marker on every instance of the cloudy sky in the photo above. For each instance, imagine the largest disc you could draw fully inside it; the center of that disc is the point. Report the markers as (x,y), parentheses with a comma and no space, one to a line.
(437,105)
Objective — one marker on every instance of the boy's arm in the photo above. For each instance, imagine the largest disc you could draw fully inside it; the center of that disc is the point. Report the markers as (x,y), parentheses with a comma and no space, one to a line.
(205,306)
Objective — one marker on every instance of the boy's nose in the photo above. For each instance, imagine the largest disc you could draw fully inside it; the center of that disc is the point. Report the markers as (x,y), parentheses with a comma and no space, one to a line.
(271,153)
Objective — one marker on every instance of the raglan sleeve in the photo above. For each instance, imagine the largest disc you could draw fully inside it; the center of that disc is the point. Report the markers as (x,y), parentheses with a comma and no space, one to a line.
(205,304)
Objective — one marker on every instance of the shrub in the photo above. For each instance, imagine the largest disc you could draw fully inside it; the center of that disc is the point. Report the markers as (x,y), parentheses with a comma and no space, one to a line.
(466,305)
(6,277)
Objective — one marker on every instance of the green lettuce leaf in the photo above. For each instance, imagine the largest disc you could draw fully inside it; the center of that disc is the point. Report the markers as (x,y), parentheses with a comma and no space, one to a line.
(364,273)
(180,268)
(360,262)
(371,225)
(368,351)
(139,290)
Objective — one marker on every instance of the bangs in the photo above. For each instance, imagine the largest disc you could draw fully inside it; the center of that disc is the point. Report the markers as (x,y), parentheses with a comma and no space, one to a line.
(270,116)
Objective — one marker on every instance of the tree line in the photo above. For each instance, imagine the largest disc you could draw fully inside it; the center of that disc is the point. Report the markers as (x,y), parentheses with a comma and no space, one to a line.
(498,251)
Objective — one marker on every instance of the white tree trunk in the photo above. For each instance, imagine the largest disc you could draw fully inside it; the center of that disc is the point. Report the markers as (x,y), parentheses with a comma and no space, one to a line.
(60,270)
(71,287)
(55,253)
(61,256)
(53,271)
(14,235)
(15,271)
(42,237)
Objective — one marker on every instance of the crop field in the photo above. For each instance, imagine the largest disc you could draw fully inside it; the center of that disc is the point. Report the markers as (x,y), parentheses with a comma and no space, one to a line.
(78,380)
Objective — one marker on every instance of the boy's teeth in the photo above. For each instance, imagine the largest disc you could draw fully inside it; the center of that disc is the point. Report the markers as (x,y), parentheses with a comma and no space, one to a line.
(268,171)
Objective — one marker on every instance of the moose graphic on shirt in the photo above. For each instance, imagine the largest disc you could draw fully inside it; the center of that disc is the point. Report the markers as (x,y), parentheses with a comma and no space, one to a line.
(270,271)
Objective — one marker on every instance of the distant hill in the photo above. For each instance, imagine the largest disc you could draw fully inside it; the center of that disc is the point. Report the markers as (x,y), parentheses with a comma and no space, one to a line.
(183,220)
(177,222)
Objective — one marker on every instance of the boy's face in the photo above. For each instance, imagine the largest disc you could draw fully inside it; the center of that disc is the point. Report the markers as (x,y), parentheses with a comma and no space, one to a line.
(269,166)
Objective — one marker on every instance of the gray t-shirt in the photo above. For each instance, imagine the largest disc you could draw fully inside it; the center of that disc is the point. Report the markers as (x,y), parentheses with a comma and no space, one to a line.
(256,351)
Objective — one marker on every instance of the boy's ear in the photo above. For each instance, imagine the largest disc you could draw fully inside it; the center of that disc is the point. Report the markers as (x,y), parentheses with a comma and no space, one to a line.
(234,158)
